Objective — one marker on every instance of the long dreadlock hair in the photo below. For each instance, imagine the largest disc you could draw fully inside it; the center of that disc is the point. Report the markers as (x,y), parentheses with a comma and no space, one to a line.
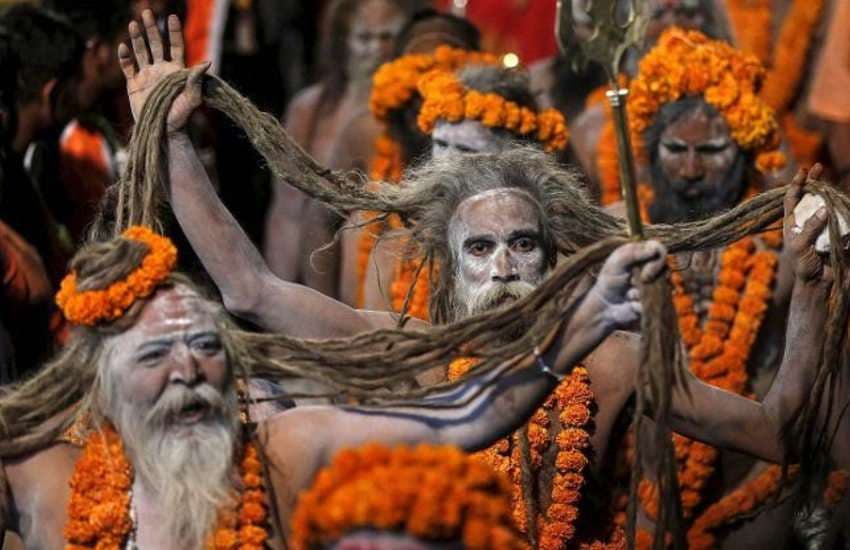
(367,363)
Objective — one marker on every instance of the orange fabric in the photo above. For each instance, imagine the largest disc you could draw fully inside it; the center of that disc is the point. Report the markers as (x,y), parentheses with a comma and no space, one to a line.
(25,279)
(87,170)
(198,32)
(829,98)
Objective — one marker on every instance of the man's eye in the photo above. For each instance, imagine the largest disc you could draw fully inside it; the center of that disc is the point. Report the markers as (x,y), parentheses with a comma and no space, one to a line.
(675,148)
(153,356)
(364,36)
(209,346)
(525,244)
(479,248)
(440,143)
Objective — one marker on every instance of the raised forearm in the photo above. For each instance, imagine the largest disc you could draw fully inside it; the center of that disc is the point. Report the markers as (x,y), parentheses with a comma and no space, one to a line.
(227,253)
(803,340)
(249,289)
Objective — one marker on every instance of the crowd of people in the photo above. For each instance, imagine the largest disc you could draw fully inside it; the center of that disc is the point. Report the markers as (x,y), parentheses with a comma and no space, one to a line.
(400,308)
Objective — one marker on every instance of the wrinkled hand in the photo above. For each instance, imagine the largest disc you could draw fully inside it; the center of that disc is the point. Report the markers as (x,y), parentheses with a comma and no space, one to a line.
(146,66)
(616,291)
(809,266)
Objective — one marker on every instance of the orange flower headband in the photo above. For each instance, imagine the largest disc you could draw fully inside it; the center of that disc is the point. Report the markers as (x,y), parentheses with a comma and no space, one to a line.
(446,98)
(94,306)
(687,63)
(432,493)
(395,83)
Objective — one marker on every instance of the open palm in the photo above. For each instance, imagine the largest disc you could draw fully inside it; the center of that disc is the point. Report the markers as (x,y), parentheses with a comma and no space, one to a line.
(147,65)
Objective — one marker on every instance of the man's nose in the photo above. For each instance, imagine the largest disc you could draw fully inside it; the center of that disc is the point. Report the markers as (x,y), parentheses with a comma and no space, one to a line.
(185,368)
(692,169)
(504,270)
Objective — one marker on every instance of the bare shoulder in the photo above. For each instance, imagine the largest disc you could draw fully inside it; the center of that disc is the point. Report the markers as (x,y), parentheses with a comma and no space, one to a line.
(617,209)
(301,106)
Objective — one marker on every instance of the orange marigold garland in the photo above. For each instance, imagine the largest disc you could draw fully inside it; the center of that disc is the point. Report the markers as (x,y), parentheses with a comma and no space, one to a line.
(395,83)
(99,508)
(93,306)
(446,98)
(432,493)
(571,402)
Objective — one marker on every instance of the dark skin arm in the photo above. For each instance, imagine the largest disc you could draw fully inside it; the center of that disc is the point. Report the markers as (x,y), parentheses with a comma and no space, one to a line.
(250,290)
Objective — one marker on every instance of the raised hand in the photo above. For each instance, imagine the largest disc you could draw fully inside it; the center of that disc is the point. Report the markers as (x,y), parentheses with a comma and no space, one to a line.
(146,66)
(616,290)
(799,238)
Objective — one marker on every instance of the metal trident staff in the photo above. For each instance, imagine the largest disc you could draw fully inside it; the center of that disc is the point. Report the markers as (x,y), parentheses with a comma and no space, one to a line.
(617,26)
(608,43)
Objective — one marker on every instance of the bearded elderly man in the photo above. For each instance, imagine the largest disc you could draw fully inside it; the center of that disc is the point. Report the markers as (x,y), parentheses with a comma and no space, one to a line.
(492,232)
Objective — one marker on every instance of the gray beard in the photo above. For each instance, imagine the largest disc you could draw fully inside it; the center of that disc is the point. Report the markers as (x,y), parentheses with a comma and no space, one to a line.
(495,296)
(189,474)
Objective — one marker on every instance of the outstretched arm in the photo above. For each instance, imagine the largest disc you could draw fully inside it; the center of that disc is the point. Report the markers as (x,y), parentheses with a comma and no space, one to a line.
(504,402)
(250,290)
(723,419)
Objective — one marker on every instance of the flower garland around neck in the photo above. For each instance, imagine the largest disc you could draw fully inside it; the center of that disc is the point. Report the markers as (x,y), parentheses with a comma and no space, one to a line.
(99,508)
(688,64)
(446,98)
(90,307)
(572,402)
(718,351)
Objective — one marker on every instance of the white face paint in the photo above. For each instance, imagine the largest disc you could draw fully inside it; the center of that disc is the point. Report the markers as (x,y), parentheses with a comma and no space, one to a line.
(468,136)
(808,207)
(498,248)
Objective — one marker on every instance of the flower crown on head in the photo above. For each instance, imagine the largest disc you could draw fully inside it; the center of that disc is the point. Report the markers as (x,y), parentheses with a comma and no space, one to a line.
(687,63)
(432,493)
(90,307)
(446,98)
(395,83)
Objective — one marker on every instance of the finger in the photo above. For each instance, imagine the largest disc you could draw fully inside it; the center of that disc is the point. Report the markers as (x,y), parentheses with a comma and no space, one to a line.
(175,37)
(628,255)
(794,192)
(139,47)
(814,226)
(652,270)
(154,38)
(633,295)
(193,81)
(125,59)
(814,173)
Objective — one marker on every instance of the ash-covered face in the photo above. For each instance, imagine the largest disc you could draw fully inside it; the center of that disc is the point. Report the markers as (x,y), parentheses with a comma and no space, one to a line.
(497,242)
(167,388)
(698,169)
(373,540)
(374,28)
(687,14)
(173,348)
(468,136)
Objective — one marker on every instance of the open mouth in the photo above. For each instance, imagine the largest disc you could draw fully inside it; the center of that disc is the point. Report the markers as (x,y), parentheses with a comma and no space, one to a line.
(192,413)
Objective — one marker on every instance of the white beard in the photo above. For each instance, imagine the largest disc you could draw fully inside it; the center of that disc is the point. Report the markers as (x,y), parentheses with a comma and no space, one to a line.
(492,296)
(189,473)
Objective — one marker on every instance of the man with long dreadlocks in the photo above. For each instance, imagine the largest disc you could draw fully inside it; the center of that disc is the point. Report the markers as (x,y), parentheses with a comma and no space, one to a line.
(477,109)
(491,223)
(705,142)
